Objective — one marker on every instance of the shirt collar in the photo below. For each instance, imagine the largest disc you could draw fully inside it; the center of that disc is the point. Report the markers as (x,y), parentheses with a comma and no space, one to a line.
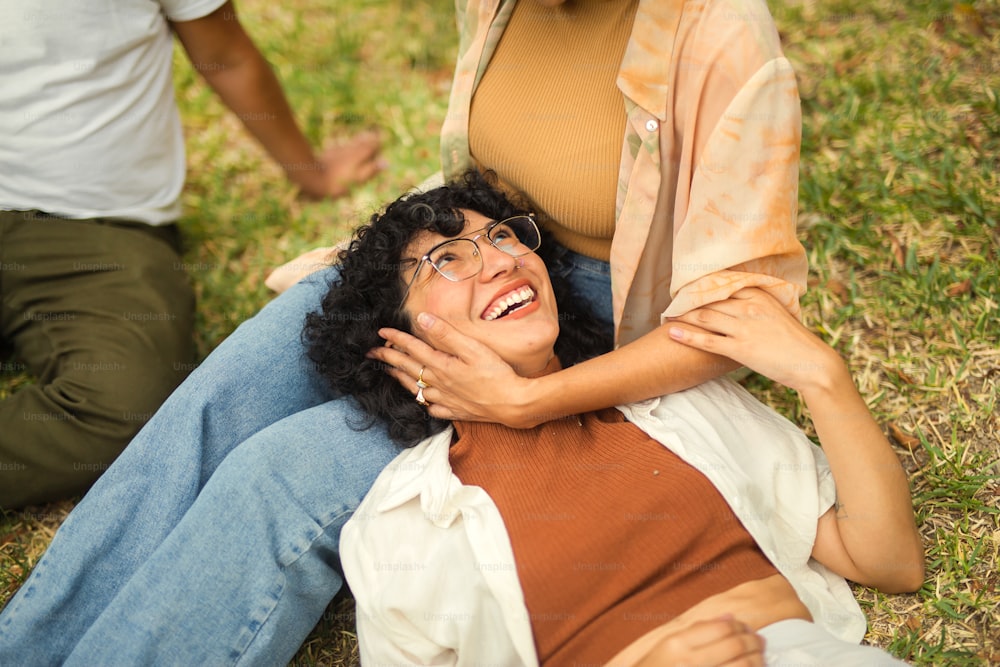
(423,472)
(644,75)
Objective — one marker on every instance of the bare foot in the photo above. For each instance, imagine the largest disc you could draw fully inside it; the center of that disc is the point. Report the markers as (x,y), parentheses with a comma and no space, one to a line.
(295,270)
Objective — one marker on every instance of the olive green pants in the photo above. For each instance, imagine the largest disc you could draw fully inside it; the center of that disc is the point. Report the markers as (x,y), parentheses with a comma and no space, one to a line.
(101,314)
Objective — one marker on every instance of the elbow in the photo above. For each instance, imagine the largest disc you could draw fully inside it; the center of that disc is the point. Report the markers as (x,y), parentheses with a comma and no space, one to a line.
(905,582)
(916,572)
(904,574)
(914,579)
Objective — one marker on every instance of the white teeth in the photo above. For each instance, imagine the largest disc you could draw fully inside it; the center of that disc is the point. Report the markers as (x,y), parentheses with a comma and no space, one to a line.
(520,296)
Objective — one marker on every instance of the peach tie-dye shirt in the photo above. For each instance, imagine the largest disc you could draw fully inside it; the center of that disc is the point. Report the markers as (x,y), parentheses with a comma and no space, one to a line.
(708,182)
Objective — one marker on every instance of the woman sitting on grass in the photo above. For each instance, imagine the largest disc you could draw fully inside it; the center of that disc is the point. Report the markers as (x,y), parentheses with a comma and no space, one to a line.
(683,529)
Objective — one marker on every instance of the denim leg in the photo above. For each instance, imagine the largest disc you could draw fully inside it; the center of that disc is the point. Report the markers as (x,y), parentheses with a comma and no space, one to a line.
(255,378)
(591,280)
(253,564)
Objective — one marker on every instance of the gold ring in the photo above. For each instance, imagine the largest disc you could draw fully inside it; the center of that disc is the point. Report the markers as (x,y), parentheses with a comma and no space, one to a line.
(420,397)
(420,380)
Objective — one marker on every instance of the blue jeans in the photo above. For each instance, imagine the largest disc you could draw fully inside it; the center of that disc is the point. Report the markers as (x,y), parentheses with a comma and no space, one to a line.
(213,538)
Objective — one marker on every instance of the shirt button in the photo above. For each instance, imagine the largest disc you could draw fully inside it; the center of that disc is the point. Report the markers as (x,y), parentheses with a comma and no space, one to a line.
(651,125)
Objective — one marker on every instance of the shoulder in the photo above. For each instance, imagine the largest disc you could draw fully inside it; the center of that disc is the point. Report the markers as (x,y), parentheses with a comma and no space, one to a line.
(741,34)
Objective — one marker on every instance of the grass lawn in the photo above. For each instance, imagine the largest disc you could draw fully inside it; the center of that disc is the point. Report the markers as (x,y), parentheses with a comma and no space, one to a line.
(899,209)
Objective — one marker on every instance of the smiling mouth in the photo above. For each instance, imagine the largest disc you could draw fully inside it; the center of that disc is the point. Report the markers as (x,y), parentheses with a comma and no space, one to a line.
(509,303)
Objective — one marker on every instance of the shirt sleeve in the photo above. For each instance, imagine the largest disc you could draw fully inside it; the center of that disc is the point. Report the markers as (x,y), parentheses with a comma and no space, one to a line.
(388,631)
(742,123)
(189,10)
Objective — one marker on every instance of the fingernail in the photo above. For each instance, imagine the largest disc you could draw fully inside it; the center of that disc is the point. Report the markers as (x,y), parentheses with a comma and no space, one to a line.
(426,320)
(676,333)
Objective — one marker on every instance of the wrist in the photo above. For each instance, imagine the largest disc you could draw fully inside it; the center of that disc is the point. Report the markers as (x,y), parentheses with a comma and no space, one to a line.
(309,175)
(828,378)
(528,407)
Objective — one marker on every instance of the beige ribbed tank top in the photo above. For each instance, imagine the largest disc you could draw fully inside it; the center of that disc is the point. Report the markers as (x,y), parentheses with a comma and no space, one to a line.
(549,118)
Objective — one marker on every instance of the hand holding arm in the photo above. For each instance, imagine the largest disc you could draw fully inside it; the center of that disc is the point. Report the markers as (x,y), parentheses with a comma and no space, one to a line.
(220,49)
(869,536)
(469,382)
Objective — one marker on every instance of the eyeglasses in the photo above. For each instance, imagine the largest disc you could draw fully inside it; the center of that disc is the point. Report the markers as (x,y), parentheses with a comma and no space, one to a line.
(460,259)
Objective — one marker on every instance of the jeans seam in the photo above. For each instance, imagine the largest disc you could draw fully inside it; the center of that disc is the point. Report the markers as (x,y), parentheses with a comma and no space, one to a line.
(238,655)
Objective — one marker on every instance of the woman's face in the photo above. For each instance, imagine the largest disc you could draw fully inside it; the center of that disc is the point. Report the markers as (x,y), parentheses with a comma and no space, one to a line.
(509,306)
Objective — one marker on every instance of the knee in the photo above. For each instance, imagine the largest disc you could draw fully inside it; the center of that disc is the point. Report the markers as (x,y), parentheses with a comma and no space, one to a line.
(269,461)
(112,398)
(326,475)
(278,490)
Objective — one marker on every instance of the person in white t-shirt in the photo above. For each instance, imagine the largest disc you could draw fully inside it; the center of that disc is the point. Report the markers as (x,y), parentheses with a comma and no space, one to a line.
(94,301)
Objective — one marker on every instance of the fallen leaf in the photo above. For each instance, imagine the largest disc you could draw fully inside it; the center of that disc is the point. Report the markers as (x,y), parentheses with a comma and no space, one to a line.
(838,289)
(969,20)
(958,289)
(844,66)
(974,141)
(913,623)
(903,438)
(898,250)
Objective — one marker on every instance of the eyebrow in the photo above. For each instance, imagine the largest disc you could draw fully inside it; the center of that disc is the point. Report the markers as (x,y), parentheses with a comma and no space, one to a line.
(453,238)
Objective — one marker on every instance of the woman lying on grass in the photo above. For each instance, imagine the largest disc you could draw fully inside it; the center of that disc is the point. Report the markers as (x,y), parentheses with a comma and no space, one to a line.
(697,528)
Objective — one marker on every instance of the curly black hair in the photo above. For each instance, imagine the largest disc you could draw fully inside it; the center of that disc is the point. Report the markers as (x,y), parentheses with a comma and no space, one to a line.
(366,293)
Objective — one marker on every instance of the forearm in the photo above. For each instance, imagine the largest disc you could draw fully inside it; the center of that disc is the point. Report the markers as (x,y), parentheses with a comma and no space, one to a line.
(250,89)
(874,512)
(469,382)
(652,365)
(871,538)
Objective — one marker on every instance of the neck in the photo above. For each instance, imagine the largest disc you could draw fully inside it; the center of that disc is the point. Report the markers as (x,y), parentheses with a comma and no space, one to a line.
(552,365)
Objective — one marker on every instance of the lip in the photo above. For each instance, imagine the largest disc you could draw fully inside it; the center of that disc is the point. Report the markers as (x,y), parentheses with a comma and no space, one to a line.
(506,289)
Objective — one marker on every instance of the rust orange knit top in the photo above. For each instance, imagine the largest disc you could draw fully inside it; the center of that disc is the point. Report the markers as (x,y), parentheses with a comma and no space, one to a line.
(613,534)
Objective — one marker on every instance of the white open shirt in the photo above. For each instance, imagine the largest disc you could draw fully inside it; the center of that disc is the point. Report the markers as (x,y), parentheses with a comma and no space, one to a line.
(430,564)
